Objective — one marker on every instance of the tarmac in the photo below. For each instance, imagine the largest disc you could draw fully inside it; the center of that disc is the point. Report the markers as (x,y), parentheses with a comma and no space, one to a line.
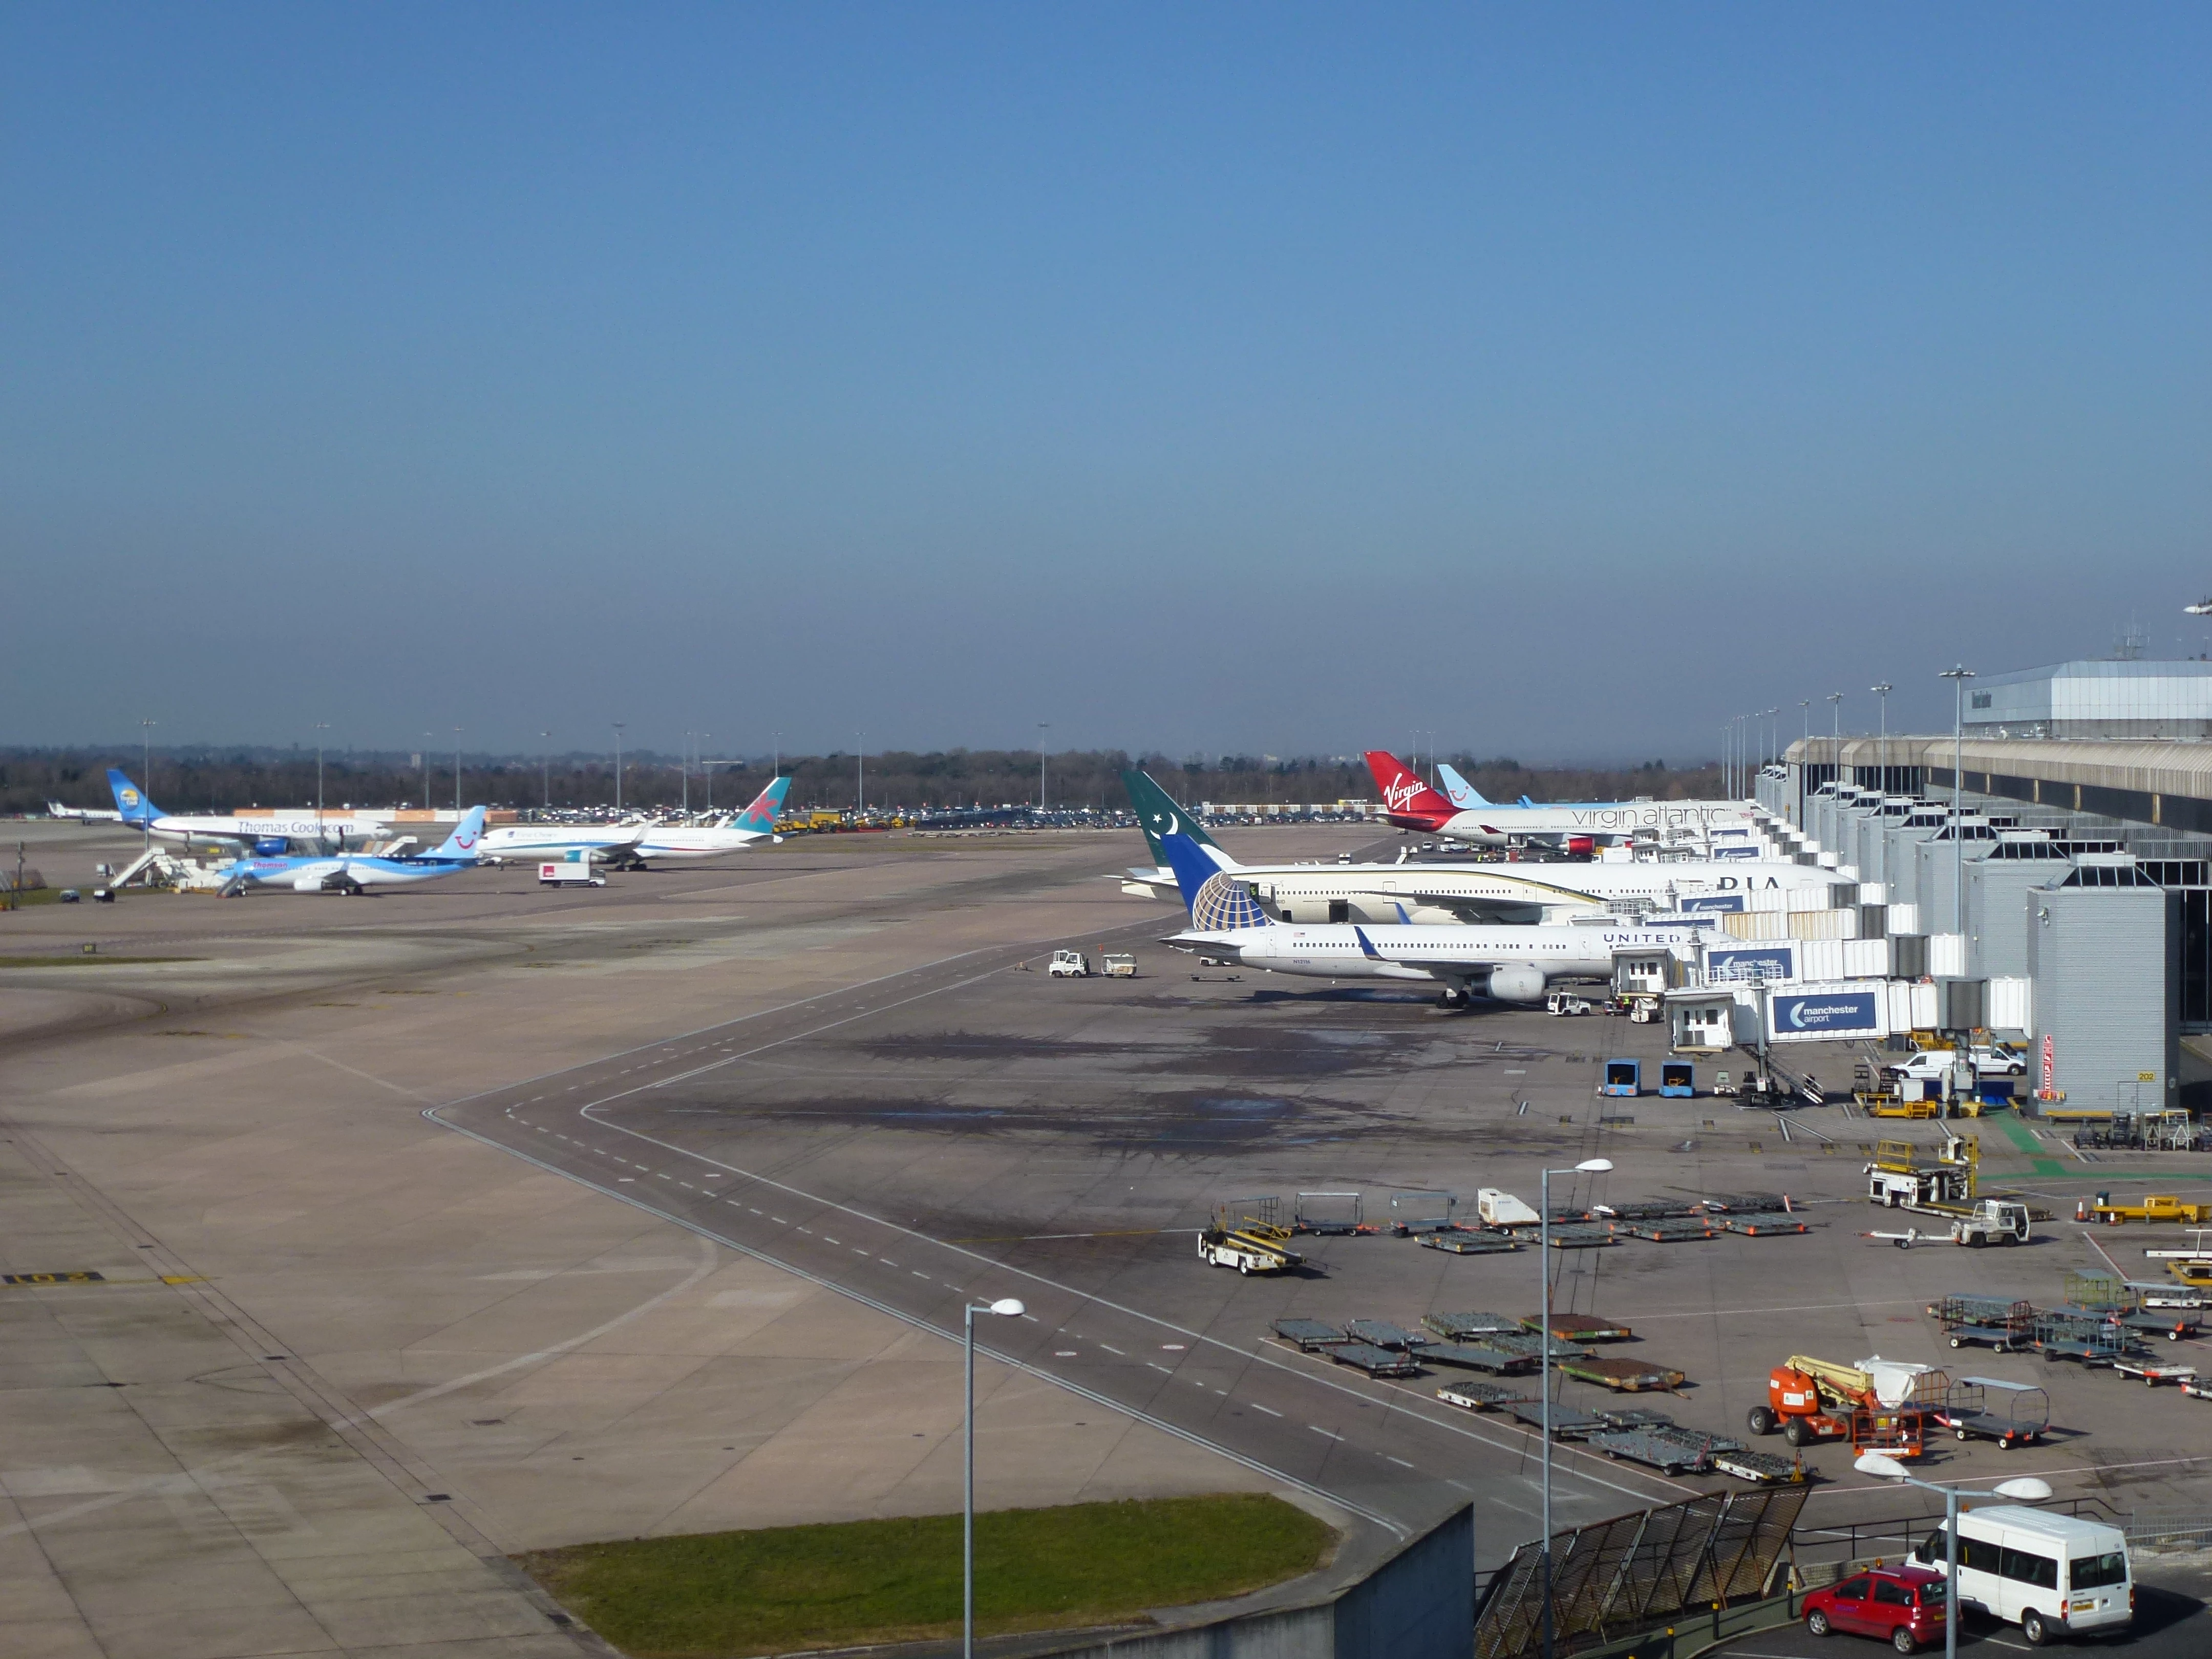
(482,1217)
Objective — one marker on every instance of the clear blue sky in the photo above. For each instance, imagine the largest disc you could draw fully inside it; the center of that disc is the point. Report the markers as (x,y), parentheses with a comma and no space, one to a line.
(1558,380)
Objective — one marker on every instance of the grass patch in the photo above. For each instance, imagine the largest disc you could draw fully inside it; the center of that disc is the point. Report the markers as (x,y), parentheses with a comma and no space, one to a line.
(715,1595)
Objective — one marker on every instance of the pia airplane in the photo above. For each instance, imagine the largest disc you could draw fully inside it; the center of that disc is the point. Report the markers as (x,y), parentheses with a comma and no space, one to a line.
(1505,964)
(1426,894)
(352,874)
(1412,805)
(270,833)
(632,846)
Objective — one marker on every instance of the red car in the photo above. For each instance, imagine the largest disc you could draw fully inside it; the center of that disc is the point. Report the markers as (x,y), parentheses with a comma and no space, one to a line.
(1903,1606)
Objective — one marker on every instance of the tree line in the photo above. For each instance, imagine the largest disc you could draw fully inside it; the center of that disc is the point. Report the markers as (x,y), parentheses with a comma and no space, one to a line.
(220,780)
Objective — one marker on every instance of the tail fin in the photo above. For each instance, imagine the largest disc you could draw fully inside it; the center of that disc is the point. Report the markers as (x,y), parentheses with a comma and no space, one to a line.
(1217,902)
(1158,816)
(760,816)
(1457,790)
(462,843)
(129,801)
(1525,801)
(1405,799)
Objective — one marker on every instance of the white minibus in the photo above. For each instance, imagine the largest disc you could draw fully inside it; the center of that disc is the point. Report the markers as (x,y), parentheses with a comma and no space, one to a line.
(2052,1575)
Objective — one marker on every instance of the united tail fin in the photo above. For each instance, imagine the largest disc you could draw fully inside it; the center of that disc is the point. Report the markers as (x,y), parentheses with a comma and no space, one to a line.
(1457,790)
(130,800)
(760,816)
(1158,816)
(1407,801)
(462,843)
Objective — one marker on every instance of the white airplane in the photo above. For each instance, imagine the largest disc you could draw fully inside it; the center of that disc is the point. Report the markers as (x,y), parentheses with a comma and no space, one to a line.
(272,833)
(1580,825)
(357,873)
(82,814)
(679,841)
(1508,964)
(1424,894)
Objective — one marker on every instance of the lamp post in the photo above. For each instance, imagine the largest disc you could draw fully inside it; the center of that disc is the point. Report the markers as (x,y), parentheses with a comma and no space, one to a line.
(859,773)
(1958,677)
(1043,727)
(1836,733)
(545,765)
(1881,749)
(2027,1489)
(618,726)
(146,787)
(428,738)
(687,777)
(1588,1166)
(1006,1308)
(707,773)
(457,769)
(321,726)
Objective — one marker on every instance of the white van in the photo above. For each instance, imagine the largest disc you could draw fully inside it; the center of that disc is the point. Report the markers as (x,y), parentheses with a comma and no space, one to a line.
(2052,1575)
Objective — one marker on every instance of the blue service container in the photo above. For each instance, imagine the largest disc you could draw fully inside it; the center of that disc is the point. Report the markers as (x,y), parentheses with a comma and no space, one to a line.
(1678,1079)
(1623,1077)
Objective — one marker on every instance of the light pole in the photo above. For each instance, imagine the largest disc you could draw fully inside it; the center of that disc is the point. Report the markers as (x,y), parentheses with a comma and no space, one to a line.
(1006,1308)
(1836,735)
(706,772)
(1043,727)
(1588,1166)
(321,726)
(428,738)
(545,765)
(1958,677)
(859,773)
(457,769)
(2027,1489)
(618,726)
(1881,749)
(145,788)
(687,777)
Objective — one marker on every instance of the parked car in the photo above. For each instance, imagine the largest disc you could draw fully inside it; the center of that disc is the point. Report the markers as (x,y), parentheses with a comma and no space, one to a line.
(1901,1606)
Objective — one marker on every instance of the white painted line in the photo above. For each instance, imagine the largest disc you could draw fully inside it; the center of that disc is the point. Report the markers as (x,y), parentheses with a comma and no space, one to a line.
(1161,1369)
(1111,1349)
(917,1272)
(1400,1462)
(1317,1429)
(826,1239)
(887,1262)
(1257,1407)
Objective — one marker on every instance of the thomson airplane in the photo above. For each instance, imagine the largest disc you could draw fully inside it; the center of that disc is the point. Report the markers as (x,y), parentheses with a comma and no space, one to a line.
(1412,805)
(1507,965)
(1434,893)
(352,873)
(270,833)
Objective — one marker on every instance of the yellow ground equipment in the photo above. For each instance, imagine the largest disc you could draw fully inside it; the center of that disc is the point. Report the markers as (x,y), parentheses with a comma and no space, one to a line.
(2156,1207)
(1247,1235)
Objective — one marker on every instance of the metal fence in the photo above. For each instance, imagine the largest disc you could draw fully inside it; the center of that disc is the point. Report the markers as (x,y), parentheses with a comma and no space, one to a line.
(1618,1578)
(2181,1528)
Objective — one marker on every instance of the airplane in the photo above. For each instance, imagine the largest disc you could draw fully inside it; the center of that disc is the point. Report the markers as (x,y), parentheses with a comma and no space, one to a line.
(1515,964)
(356,874)
(1412,805)
(270,833)
(1426,894)
(82,814)
(707,842)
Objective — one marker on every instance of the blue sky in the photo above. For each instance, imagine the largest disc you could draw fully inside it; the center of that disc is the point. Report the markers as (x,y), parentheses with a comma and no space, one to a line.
(1561,381)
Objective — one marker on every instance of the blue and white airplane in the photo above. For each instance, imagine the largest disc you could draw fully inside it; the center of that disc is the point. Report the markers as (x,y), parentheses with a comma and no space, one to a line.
(1508,963)
(351,873)
(271,833)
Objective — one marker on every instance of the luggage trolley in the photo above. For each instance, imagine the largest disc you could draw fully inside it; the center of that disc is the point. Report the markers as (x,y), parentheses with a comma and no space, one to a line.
(1989,1408)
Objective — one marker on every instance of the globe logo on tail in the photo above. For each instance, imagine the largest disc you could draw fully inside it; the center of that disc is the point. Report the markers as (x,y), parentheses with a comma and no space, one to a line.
(1223,905)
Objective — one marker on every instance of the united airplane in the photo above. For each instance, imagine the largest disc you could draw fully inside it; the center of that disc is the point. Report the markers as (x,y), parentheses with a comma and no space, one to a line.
(1507,965)
(354,873)
(270,833)
(1412,805)
(1445,893)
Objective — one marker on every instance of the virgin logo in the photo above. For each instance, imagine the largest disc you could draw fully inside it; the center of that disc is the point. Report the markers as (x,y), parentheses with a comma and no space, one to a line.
(1401,794)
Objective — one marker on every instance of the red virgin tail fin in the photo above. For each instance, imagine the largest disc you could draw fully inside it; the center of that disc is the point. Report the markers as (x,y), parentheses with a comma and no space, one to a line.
(1407,801)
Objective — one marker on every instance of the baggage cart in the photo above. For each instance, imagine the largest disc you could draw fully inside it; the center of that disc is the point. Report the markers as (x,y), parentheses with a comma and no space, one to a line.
(1379,1332)
(1648,1210)
(1529,1343)
(1681,1231)
(1579,1328)
(1634,1417)
(2169,1323)
(1990,1408)
(1459,1326)
(1328,1215)
(1307,1335)
(1670,1451)
(1621,1376)
(1482,1396)
(1413,1213)
(2153,1370)
(1761,1469)
(2198,1388)
(1763,1223)
(1477,1357)
(1375,1362)
(2087,1340)
(1566,1425)
(1582,1237)
(1470,1243)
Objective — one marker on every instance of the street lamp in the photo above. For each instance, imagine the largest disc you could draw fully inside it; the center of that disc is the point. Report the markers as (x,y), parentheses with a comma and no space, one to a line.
(618,726)
(1881,751)
(457,769)
(1958,677)
(146,787)
(1006,1308)
(687,777)
(428,738)
(1835,734)
(321,726)
(2027,1489)
(1043,727)
(545,765)
(1588,1166)
(859,773)
(706,772)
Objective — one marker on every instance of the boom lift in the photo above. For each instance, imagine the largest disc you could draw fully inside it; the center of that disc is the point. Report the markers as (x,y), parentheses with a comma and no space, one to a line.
(1878,1405)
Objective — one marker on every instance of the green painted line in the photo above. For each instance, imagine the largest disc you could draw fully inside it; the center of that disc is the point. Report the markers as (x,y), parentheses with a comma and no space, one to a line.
(2024,1141)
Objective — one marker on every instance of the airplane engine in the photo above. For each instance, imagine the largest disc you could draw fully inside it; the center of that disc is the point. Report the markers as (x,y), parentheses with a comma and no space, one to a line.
(307,884)
(271,846)
(1582,846)
(1518,984)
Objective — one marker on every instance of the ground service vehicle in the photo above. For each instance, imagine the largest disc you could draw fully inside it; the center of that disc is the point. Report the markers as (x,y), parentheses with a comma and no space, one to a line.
(1069,964)
(569,872)
(1248,1245)
(2157,1206)
(2052,1575)
(1991,1221)
(1878,1405)
(1565,1002)
(1901,1606)
(1120,966)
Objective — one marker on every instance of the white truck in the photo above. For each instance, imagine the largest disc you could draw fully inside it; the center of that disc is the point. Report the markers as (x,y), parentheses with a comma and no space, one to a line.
(1069,964)
(1991,1221)
(569,872)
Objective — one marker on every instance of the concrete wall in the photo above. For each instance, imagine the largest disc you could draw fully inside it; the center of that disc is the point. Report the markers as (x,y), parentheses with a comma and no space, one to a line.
(1419,1604)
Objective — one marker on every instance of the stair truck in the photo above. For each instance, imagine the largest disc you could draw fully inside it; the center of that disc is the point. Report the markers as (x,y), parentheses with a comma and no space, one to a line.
(1878,1405)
